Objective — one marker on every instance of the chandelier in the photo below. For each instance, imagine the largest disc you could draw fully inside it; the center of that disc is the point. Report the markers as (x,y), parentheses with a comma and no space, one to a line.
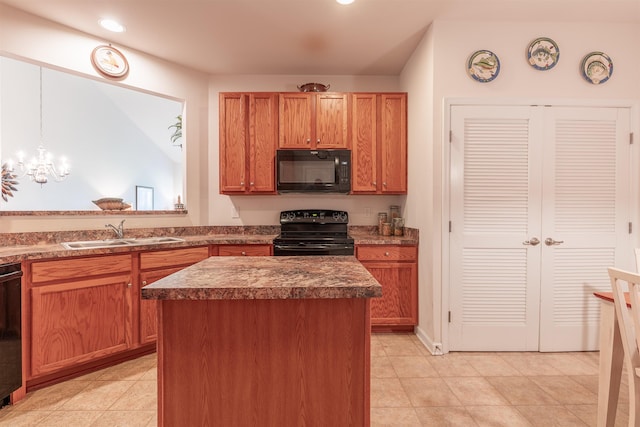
(41,167)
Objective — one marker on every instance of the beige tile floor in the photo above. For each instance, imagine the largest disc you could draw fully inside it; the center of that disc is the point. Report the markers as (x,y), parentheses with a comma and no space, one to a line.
(409,387)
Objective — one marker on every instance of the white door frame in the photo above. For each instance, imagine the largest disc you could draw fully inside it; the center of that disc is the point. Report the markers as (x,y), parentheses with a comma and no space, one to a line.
(446,154)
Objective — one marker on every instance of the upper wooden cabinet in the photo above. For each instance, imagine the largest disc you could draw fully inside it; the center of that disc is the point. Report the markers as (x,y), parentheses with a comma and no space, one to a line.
(248,141)
(316,120)
(379,143)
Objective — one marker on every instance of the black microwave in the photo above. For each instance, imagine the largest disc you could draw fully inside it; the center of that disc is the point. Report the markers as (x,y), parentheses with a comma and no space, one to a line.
(313,171)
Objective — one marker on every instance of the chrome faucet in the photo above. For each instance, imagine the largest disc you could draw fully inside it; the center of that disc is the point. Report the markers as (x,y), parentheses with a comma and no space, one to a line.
(119,230)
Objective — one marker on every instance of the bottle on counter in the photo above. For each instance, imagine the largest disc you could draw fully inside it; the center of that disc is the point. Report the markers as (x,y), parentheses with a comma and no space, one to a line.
(386,229)
(398,226)
(382,218)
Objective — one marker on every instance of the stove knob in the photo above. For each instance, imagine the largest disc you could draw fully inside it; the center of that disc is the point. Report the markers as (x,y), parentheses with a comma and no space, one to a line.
(343,216)
(336,215)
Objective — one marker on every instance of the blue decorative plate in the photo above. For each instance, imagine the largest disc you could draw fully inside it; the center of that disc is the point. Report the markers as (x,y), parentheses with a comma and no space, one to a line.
(483,66)
(596,67)
(543,54)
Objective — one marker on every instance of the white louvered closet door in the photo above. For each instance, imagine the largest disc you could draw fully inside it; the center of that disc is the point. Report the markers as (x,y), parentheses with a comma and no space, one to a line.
(494,208)
(586,206)
(519,173)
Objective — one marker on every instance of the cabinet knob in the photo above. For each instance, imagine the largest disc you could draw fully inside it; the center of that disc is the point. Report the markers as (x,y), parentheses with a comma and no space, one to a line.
(384,183)
(308,140)
(144,283)
(251,184)
(241,182)
(374,183)
(243,253)
(386,254)
(318,141)
(128,285)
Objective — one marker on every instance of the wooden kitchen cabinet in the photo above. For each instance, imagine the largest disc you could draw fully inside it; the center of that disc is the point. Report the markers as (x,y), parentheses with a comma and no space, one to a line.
(379,143)
(245,250)
(396,268)
(81,310)
(154,265)
(316,120)
(248,142)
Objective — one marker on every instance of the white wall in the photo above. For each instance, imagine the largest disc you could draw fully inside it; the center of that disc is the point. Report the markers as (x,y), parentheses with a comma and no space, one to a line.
(27,37)
(437,72)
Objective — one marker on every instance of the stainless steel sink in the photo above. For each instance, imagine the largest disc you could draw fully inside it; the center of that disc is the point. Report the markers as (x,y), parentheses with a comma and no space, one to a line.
(154,240)
(113,243)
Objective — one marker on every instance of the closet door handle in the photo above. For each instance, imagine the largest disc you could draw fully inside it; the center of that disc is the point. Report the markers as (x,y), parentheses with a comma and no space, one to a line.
(532,242)
(550,242)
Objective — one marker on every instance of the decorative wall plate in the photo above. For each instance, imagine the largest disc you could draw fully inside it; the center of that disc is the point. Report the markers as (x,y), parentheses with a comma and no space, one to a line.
(596,67)
(109,61)
(543,53)
(483,66)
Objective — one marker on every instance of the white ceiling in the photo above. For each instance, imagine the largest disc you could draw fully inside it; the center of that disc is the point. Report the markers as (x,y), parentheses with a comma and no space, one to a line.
(368,37)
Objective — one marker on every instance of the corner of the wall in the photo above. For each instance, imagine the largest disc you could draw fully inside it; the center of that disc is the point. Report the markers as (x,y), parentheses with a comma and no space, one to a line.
(434,347)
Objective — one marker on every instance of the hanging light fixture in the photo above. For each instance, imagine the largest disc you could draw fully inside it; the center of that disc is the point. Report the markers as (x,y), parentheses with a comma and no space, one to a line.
(41,168)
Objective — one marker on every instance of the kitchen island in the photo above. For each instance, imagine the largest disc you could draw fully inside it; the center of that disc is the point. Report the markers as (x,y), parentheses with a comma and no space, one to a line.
(267,341)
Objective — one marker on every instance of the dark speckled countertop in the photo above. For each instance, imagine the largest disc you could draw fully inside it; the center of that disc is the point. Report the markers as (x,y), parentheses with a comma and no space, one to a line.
(287,277)
(17,247)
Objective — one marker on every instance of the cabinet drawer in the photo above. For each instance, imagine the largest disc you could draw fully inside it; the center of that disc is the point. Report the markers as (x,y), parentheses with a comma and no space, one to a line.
(170,257)
(244,250)
(386,253)
(65,269)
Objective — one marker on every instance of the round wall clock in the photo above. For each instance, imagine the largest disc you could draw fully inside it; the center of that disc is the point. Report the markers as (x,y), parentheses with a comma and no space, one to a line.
(109,61)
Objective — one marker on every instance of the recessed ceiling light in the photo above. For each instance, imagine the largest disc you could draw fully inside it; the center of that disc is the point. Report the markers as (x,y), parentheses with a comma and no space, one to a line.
(112,25)
(345,1)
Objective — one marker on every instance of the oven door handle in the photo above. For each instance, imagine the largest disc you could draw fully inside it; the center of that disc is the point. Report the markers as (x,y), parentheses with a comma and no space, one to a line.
(302,248)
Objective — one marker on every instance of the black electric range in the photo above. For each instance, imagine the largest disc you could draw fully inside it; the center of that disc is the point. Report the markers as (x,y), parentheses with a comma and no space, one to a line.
(313,232)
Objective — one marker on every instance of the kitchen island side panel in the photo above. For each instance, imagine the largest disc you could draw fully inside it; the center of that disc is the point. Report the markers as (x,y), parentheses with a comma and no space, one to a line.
(264,362)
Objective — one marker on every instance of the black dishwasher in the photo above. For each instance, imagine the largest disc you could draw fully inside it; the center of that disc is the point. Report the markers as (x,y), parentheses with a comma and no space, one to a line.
(10,331)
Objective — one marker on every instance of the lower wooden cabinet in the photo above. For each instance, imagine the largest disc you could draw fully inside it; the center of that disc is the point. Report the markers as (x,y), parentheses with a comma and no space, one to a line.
(81,310)
(245,250)
(154,265)
(396,268)
(85,310)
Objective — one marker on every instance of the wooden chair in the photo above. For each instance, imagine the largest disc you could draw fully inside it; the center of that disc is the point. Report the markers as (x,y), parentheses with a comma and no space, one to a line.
(629,325)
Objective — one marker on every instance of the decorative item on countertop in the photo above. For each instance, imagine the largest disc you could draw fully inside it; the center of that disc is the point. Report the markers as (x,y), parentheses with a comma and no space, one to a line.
(313,87)
(543,54)
(179,206)
(111,204)
(596,67)
(483,66)
(382,218)
(8,182)
(398,226)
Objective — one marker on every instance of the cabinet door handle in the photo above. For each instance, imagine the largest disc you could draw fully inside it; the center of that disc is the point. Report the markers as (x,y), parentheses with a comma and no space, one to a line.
(386,254)
(384,183)
(308,140)
(144,283)
(531,242)
(318,141)
(251,184)
(374,183)
(243,253)
(241,182)
(129,285)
